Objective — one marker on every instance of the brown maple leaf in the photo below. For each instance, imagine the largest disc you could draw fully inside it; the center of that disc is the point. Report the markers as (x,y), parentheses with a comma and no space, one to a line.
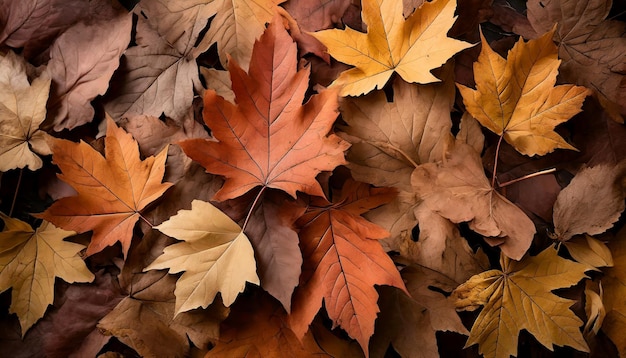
(343,260)
(269,138)
(112,190)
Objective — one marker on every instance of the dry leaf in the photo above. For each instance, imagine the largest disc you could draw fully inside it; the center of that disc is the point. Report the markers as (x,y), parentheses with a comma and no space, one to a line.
(389,139)
(410,323)
(592,48)
(112,190)
(29,262)
(236,26)
(458,190)
(614,287)
(271,232)
(149,327)
(22,109)
(589,251)
(410,47)
(342,262)
(594,308)
(516,98)
(257,327)
(82,62)
(591,203)
(218,81)
(520,297)
(269,138)
(215,256)
(159,74)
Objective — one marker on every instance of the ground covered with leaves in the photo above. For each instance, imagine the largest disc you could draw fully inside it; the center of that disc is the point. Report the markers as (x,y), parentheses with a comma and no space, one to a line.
(271,178)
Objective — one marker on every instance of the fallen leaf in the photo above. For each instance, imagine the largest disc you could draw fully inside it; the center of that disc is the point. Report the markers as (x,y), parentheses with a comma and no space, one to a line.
(343,260)
(218,81)
(257,327)
(410,47)
(112,190)
(269,138)
(159,74)
(410,323)
(389,139)
(458,190)
(517,99)
(591,47)
(589,251)
(275,241)
(29,262)
(68,329)
(149,327)
(441,248)
(34,24)
(241,22)
(22,109)
(614,286)
(520,297)
(215,256)
(82,62)
(594,308)
(591,203)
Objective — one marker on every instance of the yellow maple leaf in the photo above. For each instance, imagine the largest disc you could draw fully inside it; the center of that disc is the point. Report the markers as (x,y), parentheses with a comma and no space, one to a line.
(216,256)
(519,297)
(29,262)
(22,109)
(410,47)
(516,98)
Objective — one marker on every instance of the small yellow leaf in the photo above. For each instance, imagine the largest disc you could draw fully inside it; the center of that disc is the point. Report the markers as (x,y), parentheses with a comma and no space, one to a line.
(410,47)
(29,262)
(520,297)
(589,251)
(216,256)
(516,98)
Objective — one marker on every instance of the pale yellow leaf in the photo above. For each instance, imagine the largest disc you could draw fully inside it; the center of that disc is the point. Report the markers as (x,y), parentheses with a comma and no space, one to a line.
(22,109)
(216,256)
(590,251)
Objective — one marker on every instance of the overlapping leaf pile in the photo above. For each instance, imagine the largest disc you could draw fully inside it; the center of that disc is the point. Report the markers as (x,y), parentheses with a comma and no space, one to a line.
(312,178)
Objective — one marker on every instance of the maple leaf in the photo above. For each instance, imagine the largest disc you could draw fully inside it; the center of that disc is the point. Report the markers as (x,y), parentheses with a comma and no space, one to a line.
(614,286)
(458,190)
(519,297)
(389,139)
(215,256)
(93,53)
(29,262)
(269,138)
(592,48)
(257,327)
(112,190)
(591,203)
(410,47)
(241,22)
(516,98)
(159,74)
(22,109)
(343,260)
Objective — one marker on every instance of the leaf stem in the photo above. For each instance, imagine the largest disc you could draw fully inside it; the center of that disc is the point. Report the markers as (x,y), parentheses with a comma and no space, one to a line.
(495,163)
(527,176)
(258,196)
(17,189)
(146,220)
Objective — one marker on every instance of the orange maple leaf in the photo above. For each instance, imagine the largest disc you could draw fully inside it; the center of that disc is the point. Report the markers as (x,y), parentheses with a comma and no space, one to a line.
(112,190)
(343,260)
(269,138)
